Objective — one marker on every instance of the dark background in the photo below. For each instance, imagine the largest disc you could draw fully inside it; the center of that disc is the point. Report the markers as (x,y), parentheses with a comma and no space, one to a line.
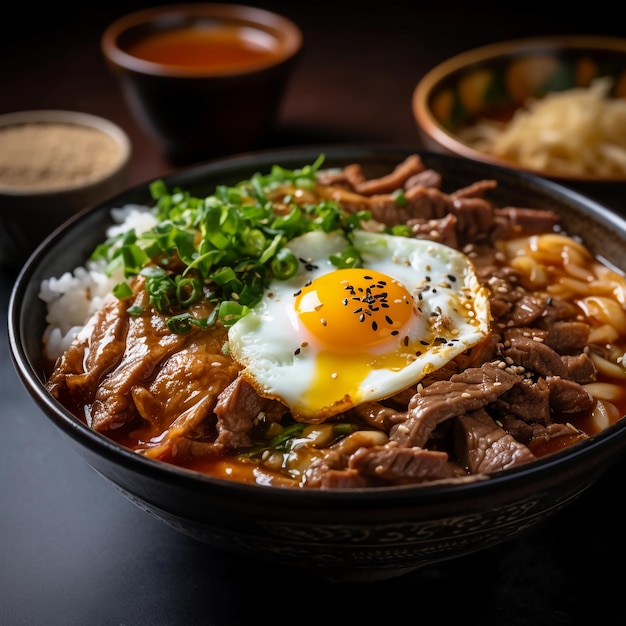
(355,78)
(73,551)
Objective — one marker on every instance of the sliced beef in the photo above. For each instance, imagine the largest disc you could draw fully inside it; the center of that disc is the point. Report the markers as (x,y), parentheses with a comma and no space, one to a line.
(528,401)
(557,310)
(148,342)
(567,338)
(526,311)
(579,368)
(541,359)
(568,396)
(337,479)
(470,390)
(396,464)
(517,222)
(484,447)
(442,230)
(477,189)
(99,347)
(427,178)
(389,183)
(238,405)
(475,218)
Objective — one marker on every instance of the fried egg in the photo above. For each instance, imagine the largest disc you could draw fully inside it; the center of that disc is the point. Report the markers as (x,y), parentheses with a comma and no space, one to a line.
(329,339)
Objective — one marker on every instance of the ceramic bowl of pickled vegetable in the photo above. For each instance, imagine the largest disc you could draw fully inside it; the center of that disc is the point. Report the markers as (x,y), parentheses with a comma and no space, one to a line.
(357,361)
(553,106)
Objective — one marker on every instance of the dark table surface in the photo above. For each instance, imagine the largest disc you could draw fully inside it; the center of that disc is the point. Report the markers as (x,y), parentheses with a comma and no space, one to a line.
(74,551)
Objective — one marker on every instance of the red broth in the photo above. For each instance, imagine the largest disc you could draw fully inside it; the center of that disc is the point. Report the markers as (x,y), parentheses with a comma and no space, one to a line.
(210,48)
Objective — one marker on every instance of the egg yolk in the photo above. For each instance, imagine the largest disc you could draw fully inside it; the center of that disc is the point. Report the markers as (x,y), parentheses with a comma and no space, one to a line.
(355,309)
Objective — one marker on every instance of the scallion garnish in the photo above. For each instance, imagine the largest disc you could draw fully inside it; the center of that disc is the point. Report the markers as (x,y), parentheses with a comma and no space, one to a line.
(227,246)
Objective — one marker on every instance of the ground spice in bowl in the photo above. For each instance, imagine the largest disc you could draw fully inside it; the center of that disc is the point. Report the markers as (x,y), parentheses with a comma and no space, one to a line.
(53,164)
(47,156)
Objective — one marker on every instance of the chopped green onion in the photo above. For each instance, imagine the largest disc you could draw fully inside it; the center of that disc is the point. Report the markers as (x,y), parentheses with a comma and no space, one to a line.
(227,246)
(284,265)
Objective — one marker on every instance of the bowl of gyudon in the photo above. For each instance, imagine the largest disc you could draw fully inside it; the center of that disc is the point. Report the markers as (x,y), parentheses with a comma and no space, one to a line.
(355,360)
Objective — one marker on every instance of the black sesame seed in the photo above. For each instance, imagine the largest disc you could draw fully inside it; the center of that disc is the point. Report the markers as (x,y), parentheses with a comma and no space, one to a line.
(374,325)
(395,332)
(451,277)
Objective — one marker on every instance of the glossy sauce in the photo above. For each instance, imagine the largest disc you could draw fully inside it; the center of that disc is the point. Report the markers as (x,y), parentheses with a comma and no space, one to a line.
(210,48)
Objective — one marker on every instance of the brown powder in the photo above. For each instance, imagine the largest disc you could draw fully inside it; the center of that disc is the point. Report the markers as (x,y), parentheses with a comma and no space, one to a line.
(54,155)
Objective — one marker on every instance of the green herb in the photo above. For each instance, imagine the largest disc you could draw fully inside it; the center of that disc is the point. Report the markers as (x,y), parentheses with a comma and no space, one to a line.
(226,247)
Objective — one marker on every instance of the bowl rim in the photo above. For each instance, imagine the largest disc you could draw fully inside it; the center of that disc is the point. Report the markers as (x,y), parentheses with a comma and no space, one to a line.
(432,128)
(73,118)
(102,446)
(282,28)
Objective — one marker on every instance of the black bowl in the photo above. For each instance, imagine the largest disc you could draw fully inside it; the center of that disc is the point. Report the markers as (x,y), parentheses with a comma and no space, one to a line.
(351,535)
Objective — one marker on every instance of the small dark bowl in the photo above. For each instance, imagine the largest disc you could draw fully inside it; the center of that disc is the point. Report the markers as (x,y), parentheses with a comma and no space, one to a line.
(199,111)
(30,212)
(347,535)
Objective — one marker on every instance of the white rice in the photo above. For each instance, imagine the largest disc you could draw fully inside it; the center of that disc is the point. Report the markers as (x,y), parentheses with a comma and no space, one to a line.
(74,297)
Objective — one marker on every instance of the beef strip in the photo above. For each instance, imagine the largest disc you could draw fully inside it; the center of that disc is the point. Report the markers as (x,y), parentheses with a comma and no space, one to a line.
(467,391)
(567,337)
(148,342)
(396,464)
(528,401)
(238,405)
(442,230)
(337,479)
(517,221)
(485,447)
(568,396)
(427,178)
(100,345)
(539,358)
(389,183)
(557,310)
(475,218)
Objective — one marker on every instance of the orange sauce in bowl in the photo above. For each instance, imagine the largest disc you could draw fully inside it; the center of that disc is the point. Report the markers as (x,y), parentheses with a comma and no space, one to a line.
(206,47)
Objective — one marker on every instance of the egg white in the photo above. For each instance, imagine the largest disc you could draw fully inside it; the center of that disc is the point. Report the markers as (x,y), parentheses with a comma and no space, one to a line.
(282,361)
